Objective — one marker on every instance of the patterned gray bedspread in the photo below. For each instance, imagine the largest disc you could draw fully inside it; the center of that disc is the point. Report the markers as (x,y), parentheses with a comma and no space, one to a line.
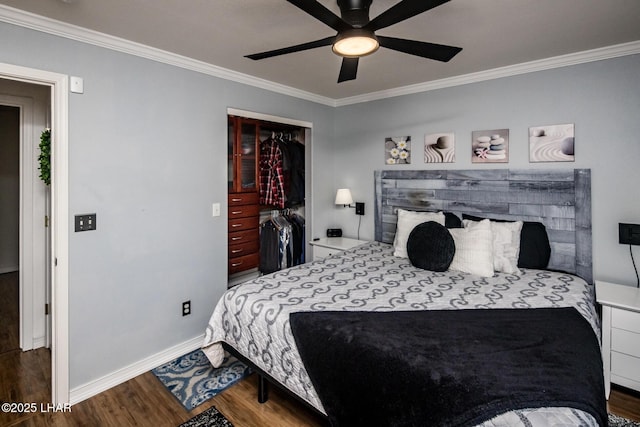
(254,317)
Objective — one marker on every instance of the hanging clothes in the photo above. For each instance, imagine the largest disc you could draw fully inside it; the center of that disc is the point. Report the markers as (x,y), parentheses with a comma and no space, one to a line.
(272,191)
(269,247)
(281,242)
(297,238)
(294,172)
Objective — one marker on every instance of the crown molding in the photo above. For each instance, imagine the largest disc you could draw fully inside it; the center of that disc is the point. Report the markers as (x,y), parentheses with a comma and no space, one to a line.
(50,26)
(43,24)
(615,51)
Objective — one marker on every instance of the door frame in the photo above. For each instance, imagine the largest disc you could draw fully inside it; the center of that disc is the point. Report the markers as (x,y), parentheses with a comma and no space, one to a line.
(59,84)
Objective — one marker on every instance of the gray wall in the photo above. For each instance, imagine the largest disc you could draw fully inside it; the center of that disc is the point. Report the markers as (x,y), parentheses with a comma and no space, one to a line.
(601,98)
(147,153)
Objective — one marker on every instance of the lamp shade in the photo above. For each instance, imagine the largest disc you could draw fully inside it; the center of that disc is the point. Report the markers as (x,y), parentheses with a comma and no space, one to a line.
(343,197)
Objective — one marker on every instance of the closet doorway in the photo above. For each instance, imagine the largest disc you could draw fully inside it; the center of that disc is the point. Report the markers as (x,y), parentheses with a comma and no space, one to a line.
(269,203)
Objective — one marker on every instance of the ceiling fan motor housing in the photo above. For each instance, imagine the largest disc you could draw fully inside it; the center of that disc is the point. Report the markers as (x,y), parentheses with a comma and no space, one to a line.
(355,12)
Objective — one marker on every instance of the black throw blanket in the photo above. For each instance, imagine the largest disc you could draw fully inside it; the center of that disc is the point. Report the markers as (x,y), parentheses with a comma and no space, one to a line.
(449,367)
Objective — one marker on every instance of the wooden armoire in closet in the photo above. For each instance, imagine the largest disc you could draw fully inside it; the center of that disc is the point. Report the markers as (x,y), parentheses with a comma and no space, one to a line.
(246,205)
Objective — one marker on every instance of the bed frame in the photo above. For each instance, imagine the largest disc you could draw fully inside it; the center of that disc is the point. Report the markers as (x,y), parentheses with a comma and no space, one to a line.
(559,198)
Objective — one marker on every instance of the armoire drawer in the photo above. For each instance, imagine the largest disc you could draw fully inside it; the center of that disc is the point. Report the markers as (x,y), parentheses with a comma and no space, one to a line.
(243,249)
(243,211)
(239,224)
(243,263)
(244,236)
(236,199)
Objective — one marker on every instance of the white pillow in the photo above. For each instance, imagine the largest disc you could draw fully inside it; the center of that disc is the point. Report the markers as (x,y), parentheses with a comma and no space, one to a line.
(506,245)
(407,220)
(474,248)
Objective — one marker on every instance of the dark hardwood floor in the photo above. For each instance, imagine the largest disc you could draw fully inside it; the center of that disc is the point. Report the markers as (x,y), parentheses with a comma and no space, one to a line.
(25,377)
(9,314)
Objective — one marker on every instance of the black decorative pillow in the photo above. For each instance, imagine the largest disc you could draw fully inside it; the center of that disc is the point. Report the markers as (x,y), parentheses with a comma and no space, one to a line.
(451,220)
(430,246)
(535,250)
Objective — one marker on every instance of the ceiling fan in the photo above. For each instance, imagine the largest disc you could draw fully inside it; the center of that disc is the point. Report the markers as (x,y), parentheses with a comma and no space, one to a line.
(356,33)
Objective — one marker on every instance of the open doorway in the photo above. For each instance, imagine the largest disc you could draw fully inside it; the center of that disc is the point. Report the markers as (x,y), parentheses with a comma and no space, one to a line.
(56,86)
(24,235)
(9,228)
(24,212)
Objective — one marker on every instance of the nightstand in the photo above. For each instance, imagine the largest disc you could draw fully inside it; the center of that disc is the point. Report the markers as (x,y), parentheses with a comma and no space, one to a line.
(328,246)
(620,334)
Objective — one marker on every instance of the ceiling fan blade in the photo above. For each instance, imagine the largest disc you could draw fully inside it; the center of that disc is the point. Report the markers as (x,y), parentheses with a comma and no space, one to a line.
(439,52)
(291,49)
(321,13)
(348,70)
(401,11)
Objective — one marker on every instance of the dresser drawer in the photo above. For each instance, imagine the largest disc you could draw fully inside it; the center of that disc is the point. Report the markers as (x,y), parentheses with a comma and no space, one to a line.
(243,263)
(236,199)
(244,236)
(625,342)
(627,320)
(320,252)
(242,249)
(625,366)
(243,211)
(239,224)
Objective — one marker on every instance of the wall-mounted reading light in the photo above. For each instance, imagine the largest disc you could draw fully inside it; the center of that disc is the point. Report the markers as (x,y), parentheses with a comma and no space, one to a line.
(344,198)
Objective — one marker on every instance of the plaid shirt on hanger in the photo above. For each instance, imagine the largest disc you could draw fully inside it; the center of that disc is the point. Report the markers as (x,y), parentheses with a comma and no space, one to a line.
(271,175)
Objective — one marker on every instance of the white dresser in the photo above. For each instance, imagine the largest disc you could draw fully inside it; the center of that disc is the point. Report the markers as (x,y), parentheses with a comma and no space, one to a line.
(328,246)
(620,334)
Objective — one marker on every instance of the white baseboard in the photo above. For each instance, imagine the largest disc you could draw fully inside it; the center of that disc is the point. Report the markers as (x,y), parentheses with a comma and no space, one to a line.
(83,392)
(39,342)
(8,269)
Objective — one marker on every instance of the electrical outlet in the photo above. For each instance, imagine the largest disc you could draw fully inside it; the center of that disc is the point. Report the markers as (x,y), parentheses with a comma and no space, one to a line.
(186,308)
(629,234)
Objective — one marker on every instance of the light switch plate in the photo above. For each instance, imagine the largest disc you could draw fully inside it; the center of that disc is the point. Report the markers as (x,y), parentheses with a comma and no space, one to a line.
(215,209)
(85,222)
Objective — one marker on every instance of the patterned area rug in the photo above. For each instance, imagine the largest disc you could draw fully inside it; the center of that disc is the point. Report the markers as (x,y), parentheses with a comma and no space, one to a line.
(192,379)
(616,421)
(209,418)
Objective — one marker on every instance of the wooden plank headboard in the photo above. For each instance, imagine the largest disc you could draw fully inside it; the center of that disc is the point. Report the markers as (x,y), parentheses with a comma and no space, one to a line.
(559,198)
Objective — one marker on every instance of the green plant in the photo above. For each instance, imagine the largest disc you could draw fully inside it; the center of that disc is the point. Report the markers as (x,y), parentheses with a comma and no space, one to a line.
(45,156)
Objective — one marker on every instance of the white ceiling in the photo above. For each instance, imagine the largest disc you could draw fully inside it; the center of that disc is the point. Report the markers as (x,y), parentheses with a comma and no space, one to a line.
(492,33)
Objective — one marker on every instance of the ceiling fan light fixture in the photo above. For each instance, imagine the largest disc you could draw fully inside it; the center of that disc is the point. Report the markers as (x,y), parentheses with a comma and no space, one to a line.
(355,43)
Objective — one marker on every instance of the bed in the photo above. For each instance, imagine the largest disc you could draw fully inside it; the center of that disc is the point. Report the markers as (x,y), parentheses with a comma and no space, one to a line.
(254,320)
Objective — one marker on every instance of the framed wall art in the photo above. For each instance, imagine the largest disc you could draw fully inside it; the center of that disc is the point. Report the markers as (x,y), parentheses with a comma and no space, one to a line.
(439,148)
(554,143)
(397,150)
(490,146)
